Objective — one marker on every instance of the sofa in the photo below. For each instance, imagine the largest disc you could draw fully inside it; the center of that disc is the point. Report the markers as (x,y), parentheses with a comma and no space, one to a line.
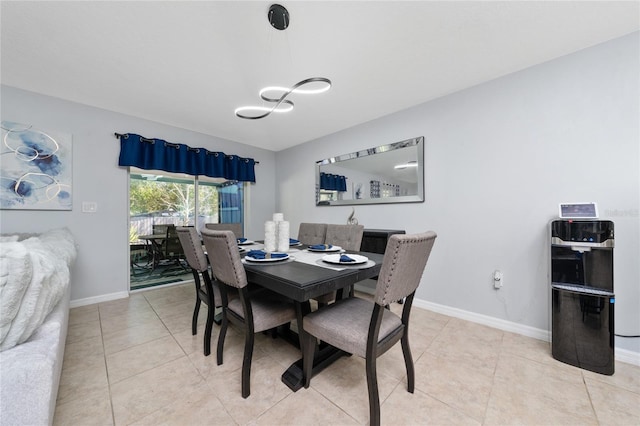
(34,313)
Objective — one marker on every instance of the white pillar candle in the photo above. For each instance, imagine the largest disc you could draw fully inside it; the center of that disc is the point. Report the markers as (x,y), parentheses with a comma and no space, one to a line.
(269,236)
(283,236)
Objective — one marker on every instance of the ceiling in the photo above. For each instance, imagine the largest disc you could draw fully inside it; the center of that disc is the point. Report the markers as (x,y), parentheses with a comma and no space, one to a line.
(190,64)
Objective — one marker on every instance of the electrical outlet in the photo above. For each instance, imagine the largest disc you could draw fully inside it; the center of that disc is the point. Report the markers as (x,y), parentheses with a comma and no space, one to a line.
(497,279)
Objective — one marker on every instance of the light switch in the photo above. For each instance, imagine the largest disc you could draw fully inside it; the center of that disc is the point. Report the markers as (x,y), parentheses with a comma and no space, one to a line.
(89,207)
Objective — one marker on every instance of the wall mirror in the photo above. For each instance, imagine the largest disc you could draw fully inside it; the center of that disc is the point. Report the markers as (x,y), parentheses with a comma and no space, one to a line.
(392,173)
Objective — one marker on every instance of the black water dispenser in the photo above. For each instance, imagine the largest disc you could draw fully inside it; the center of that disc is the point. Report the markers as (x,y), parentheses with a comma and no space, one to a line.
(582,331)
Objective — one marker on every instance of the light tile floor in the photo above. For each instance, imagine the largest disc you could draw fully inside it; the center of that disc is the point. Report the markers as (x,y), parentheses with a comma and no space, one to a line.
(134,361)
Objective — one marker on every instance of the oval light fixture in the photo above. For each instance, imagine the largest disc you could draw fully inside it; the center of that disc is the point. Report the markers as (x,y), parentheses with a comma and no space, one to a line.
(285,106)
(324,83)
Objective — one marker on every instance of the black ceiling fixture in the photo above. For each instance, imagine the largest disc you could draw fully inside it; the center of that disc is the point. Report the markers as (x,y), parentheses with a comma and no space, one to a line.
(278,17)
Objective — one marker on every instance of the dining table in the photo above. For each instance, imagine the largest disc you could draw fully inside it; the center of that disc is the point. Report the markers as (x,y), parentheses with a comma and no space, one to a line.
(155,244)
(303,276)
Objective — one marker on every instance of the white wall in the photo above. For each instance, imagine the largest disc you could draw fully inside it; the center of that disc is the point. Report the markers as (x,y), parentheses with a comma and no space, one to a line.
(102,267)
(499,158)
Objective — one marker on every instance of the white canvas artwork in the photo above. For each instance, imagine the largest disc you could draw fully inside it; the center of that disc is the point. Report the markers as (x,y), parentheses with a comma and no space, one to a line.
(35,168)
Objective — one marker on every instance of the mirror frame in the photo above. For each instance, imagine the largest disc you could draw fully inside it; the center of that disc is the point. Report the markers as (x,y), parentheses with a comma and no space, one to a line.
(417,198)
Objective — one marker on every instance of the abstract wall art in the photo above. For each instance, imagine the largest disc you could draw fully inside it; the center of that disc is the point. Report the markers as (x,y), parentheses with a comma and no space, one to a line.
(35,168)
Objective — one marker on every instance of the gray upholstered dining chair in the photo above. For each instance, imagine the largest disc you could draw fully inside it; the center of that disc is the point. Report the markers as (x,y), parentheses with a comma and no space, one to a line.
(209,293)
(349,237)
(312,233)
(255,312)
(365,328)
(236,228)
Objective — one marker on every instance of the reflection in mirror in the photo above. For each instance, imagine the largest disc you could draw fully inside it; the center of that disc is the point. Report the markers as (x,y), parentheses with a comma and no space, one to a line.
(391,173)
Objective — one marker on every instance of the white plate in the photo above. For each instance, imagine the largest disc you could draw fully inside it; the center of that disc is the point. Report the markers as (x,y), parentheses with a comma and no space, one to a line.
(330,250)
(335,258)
(246,243)
(273,259)
(242,249)
(295,244)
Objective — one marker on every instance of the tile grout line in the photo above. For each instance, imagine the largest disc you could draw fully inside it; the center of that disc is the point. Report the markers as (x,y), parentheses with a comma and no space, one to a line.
(586,388)
(493,378)
(104,354)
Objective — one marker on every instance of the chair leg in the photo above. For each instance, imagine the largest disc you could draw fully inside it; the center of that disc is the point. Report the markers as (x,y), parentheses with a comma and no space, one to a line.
(207,331)
(194,321)
(308,353)
(408,362)
(221,336)
(374,397)
(246,365)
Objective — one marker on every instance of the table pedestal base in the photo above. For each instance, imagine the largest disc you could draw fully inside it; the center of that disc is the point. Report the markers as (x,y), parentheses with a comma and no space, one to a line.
(324,357)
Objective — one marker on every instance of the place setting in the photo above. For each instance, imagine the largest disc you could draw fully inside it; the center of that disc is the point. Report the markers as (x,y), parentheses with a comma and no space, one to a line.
(324,248)
(294,243)
(345,260)
(261,256)
(244,242)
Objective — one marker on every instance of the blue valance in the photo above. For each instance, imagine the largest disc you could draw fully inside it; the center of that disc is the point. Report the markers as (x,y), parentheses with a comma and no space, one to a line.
(333,182)
(157,154)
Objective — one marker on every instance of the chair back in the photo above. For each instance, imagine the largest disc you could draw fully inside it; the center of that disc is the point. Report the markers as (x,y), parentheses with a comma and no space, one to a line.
(192,248)
(173,247)
(236,228)
(222,249)
(403,265)
(312,233)
(349,237)
(161,229)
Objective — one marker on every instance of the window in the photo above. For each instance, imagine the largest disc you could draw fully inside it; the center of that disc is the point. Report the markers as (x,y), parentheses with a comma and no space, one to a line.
(160,198)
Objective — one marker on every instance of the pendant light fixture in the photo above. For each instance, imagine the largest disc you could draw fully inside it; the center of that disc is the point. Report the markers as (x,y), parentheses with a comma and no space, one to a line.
(279,19)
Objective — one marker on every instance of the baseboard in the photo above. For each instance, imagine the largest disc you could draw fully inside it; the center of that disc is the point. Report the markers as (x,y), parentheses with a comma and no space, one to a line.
(500,324)
(98,299)
(622,355)
(115,296)
(630,357)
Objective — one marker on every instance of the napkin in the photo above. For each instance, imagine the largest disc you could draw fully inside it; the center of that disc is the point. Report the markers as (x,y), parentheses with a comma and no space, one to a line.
(345,258)
(261,254)
(242,240)
(293,241)
(320,246)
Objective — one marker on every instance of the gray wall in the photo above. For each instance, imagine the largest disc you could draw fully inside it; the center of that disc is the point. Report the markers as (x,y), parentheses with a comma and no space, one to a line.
(102,268)
(500,157)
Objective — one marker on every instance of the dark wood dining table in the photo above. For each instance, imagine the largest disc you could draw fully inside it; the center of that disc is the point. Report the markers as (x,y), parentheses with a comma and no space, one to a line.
(301,282)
